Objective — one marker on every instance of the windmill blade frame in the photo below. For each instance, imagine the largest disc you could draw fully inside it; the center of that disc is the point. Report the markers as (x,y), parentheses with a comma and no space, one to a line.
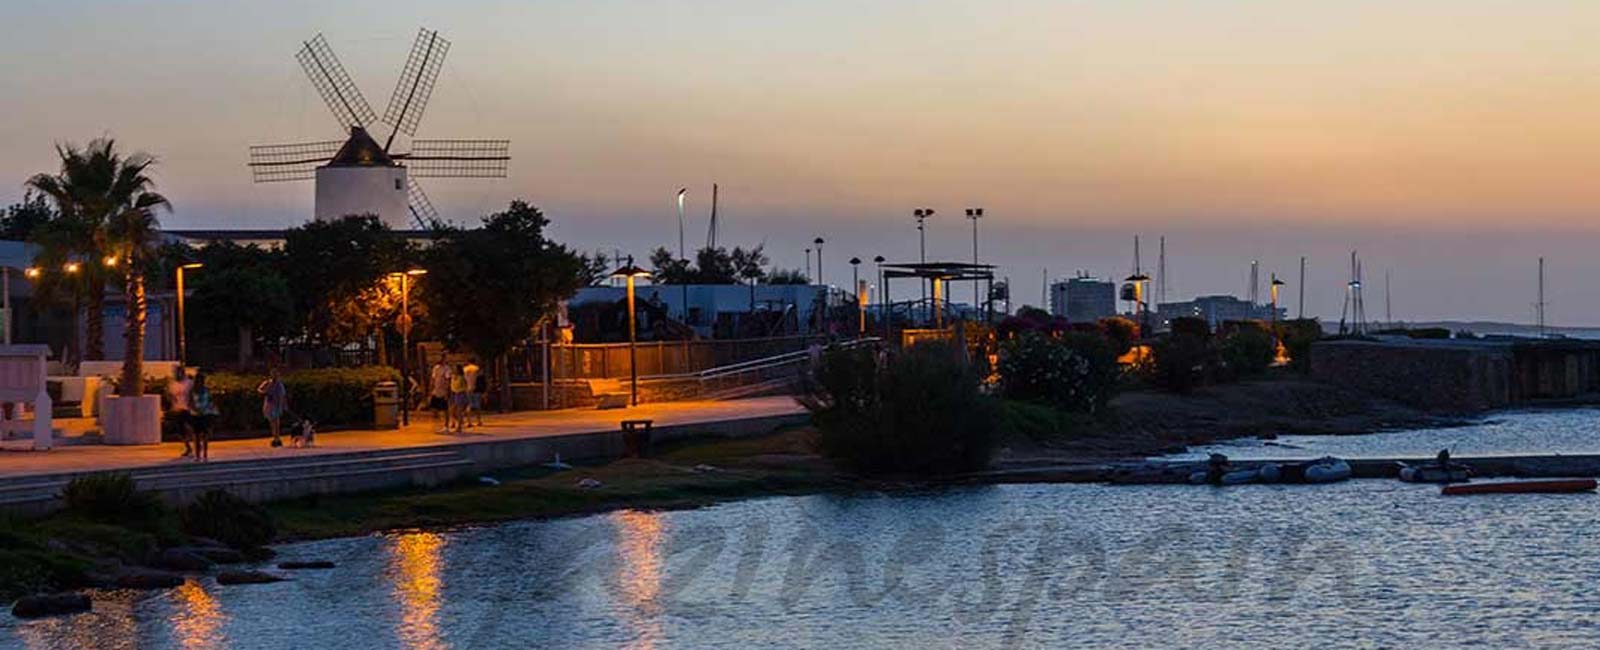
(331,80)
(271,163)
(416,83)
(457,158)
(422,210)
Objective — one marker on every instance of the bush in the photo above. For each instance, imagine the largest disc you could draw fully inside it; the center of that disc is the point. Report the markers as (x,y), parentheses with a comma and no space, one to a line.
(917,412)
(228,519)
(1076,372)
(111,498)
(1190,325)
(1245,351)
(1181,362)
(1297,336)
(331,397)
(1120,333)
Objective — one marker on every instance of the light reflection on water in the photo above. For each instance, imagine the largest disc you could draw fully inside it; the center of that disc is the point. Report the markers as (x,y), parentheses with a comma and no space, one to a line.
(1362,563)
(415,566)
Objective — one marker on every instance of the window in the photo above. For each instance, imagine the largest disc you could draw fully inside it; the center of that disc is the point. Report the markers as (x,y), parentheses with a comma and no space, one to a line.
(397,184)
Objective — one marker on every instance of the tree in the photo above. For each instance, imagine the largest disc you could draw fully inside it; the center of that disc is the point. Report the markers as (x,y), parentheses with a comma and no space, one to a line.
(787,276)
(596,269)
(242,295)
(669,269)
(750,266)
(712,265)
(95,186)
(337,270)
(488,288)
(132,234)
(21,218)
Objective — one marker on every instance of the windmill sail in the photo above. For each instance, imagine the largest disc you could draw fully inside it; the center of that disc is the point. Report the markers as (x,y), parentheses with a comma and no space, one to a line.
(272,163)
(411,93)
(422,210)
(334,84)
(457,158)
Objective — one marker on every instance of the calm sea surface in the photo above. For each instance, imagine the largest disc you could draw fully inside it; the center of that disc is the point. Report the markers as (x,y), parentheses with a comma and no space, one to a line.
(1373,564)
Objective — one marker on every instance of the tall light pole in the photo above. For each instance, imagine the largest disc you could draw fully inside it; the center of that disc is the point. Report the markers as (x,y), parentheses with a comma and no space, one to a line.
(823,314)
(683,256)
(861,302)
(974,214)
(922,214)
(808,266)
(183,346)
(883,297)
(630,272)
(403,323)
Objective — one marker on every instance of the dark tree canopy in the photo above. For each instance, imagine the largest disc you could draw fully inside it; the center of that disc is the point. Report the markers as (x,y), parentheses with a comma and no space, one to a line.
(716,265)
(336,271)
(20,219)
(488,288)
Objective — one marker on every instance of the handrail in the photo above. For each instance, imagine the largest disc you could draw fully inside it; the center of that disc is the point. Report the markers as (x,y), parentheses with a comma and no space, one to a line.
(757,364)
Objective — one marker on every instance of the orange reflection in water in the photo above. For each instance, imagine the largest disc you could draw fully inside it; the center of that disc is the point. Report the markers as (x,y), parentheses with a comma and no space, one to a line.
(415,563)
(639,573)
(197,621)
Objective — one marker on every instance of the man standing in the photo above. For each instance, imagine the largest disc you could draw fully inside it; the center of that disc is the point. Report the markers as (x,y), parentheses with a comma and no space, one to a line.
(439,390)
(178,407)
(476,386)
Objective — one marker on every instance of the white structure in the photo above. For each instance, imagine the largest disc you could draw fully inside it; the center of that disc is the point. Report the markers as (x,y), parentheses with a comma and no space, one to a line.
(375,190)
(22,380)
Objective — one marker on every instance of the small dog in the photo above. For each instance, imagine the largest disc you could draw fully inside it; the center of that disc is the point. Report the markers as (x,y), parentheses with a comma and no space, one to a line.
(303,434)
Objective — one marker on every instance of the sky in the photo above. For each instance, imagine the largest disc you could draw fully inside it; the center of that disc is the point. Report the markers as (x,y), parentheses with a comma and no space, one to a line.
(1453,142)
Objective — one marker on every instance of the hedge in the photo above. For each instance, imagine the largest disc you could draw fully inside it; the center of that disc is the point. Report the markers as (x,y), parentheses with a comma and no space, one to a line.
(331,397)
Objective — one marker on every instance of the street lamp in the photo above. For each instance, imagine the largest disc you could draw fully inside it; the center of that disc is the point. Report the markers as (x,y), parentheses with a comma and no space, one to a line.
(630,273)
(183,349)
(883,296)
(1139,312)
(922,214)
(974,214)
(403,323)
(808,266)
(861,300)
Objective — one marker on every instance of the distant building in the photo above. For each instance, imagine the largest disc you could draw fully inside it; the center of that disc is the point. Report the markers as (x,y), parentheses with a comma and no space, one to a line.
(1216,310)
(1083,299)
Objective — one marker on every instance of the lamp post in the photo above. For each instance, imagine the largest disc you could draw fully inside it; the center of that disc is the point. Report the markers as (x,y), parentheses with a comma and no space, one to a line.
(808,266)
(403,323)
(1139,312)
(630,272)
(183,346)
(973,215)
(821,315)
(883,296)
(861,301)
(922,214)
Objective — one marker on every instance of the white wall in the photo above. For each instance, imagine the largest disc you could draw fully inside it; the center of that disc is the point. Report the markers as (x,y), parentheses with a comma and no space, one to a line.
(343,191)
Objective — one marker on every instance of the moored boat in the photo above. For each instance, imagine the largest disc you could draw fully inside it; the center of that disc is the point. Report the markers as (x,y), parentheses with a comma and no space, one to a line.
(1435,473)
(1548,486)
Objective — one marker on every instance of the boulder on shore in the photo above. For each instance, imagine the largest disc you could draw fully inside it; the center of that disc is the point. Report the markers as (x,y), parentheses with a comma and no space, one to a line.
(221,555)
(307,564)
(184,559)
(137,578)
(41,605)
(246,578)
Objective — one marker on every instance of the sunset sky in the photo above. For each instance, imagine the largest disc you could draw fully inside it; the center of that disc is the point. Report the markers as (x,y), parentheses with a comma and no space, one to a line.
(1452,141)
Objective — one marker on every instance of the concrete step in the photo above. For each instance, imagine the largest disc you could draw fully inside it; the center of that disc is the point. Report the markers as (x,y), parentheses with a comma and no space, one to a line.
(201,476)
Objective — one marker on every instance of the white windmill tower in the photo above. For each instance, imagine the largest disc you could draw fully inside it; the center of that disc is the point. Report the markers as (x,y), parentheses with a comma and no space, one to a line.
(357,175)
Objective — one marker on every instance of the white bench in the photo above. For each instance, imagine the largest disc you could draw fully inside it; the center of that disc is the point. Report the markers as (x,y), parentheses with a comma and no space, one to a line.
(609,392)
(22,381)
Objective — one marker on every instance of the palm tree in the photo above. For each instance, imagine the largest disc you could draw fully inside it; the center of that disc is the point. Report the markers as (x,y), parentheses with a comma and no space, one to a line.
(96,185)
(747,265)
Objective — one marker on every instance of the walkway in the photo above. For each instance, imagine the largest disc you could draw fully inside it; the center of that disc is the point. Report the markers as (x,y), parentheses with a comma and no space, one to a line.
(421,433)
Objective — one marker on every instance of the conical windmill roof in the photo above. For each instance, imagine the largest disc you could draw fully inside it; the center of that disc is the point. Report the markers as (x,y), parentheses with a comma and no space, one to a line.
(361,151)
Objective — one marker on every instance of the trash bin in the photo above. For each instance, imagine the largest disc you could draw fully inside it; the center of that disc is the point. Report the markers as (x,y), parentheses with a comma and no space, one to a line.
(636,437)
(386,405)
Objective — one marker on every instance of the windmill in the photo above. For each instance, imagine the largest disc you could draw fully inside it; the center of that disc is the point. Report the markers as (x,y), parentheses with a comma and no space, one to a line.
(357,175)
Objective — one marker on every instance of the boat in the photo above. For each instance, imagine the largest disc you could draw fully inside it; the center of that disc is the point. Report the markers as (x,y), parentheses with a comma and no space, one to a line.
(1435,473)
(1325,470)
(1546,486)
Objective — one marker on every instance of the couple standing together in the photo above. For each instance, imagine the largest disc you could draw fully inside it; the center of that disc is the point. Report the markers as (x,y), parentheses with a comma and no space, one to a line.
(457,392)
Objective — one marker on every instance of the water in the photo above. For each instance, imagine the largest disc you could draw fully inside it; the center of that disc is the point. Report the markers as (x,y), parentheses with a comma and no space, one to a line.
(1532,431)
(1374,564)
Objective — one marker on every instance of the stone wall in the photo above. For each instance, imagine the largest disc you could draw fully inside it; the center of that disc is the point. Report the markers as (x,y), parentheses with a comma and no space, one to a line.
(1436,377)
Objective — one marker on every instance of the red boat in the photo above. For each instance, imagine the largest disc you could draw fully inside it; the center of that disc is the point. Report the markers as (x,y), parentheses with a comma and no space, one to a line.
(1556,486)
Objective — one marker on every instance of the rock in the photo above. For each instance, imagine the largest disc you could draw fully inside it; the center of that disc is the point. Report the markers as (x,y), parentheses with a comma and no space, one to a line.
(309,564)
(183,559)
(221,555)
(259,554)
(137,578)
(246,578)
(40,605)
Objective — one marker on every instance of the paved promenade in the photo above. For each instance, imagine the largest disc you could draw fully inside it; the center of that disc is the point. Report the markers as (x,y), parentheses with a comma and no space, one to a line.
(421,433)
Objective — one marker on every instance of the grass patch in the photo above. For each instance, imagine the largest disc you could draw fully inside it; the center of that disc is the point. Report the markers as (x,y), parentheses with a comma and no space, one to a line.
(1042,424)
(781,463)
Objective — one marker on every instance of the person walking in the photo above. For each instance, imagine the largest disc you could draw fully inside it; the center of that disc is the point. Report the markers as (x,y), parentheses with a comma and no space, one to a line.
(459,390)
(178,408)
(476,386)
(202,412)
(439,391)
(274,402)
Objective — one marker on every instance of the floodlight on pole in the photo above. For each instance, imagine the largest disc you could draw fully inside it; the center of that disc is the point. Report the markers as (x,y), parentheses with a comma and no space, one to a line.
(403,323)
(183,339)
